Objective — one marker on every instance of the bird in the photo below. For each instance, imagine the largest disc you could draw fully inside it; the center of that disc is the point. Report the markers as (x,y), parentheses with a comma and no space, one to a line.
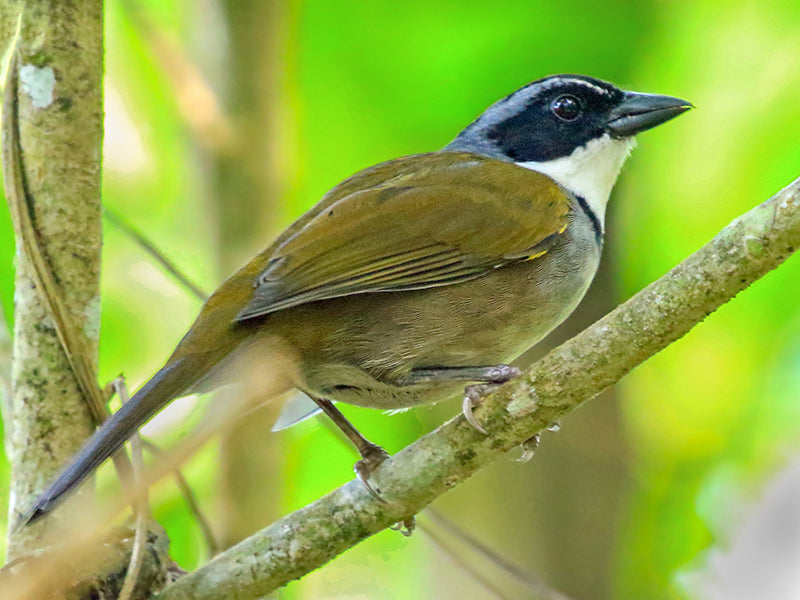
(416,276)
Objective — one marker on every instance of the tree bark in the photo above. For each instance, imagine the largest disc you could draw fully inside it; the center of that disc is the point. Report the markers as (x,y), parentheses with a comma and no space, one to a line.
(6,407)
(574,372)
(60,104)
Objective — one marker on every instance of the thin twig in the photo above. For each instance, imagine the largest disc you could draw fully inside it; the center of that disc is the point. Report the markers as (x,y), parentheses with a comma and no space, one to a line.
(462,564)
(531,582)
(150,248)
(216,421)
(141,506)
(191,501)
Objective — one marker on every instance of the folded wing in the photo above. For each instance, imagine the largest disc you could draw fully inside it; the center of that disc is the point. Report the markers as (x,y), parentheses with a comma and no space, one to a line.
(443,219)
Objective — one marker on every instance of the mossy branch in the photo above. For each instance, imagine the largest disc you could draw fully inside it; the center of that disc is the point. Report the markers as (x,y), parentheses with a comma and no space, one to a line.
(574,372)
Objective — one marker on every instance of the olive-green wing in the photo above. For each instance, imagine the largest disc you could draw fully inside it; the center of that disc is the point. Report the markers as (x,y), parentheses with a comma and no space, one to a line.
(450,218)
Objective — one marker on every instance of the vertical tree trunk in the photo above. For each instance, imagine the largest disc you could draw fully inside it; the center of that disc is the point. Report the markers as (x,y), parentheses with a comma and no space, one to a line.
(60,103)
(246,188)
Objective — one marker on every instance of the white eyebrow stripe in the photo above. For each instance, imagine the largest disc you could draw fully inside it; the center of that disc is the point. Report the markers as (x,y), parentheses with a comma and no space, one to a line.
(588,84)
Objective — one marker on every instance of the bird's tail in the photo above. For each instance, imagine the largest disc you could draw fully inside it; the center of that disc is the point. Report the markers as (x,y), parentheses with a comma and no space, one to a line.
(168,383)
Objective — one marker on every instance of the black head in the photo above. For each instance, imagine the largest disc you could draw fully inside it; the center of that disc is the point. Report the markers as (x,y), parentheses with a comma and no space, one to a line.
(552,117)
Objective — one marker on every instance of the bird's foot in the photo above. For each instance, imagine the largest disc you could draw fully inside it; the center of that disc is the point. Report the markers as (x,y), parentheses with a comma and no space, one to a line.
(372,456)
(475,393)
(406,527)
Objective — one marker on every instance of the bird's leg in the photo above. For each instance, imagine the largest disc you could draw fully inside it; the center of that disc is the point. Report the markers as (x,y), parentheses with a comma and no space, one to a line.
(372,455)
(490,379)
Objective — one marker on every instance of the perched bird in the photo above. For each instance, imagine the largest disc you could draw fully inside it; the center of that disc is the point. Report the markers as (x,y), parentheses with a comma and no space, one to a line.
(417,275)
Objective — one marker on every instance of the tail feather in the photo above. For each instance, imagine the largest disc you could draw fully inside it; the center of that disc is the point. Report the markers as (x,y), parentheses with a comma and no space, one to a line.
(170,382)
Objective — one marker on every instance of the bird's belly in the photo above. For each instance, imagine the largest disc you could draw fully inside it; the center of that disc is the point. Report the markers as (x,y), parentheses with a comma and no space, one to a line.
(371,341)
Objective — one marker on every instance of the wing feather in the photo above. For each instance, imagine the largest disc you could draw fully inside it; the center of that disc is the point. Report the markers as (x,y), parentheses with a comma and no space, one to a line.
(443,219)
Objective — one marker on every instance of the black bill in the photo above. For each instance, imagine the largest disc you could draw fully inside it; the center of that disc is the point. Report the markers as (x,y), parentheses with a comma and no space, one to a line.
(639,112)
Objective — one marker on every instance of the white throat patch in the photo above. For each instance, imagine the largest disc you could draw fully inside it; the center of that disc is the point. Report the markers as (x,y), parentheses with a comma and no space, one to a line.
(590,171)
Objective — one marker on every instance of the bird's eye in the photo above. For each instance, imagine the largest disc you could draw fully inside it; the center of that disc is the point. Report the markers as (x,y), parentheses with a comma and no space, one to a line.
(566,108)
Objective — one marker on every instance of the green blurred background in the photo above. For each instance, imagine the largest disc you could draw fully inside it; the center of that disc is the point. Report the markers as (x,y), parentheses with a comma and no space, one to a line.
(227,119)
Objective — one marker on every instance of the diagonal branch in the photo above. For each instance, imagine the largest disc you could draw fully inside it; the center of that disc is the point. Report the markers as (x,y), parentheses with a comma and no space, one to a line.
(576,371)
(150,248)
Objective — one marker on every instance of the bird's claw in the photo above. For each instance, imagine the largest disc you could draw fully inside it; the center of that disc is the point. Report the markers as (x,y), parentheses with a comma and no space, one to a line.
(371,457)
(473,394)
(406,527)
